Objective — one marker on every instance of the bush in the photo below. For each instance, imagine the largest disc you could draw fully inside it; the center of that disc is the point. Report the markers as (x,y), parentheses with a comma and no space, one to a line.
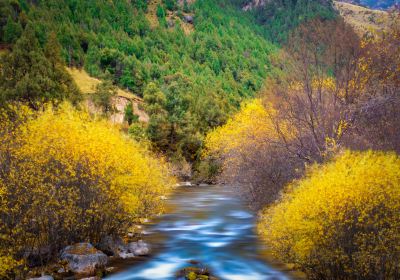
(65,178)
(342,220)
(249,153)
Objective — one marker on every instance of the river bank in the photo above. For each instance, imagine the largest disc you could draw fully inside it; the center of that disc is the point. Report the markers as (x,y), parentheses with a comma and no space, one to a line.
(207,230)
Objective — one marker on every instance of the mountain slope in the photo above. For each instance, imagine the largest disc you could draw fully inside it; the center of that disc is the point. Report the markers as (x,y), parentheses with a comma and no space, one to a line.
(202,75)
(192,72)
(88,84)
(363,19)
(374,4)
(278,17)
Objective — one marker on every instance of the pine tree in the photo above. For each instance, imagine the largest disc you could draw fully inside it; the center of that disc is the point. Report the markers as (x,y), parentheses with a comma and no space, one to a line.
(63,81)
(28,76)
(11,31)
(158,129)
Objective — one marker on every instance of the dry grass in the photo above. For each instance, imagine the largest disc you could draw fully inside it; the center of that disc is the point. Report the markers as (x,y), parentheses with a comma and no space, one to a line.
(85,83)
(88,85)
(363,19)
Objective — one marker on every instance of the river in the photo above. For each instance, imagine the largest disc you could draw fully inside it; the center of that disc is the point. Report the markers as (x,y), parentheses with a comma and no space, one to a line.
(209,225)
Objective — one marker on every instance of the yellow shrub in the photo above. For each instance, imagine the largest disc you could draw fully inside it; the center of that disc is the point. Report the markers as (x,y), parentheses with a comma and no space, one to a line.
(65,177)
(250,152)
(7,264)
(248,129)
(342,220)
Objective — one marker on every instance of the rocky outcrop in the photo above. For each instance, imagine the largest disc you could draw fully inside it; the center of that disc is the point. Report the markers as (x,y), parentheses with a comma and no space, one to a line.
(83,258)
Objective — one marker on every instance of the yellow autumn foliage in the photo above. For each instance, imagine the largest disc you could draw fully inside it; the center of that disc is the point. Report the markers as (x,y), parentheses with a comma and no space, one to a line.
(66,177)
(248,128)
(251,151)
(341,221)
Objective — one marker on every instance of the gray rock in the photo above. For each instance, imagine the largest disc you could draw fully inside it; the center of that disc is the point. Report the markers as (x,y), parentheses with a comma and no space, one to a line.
(45,277)
(83,258)
(139,248)
(188,19)
(125,255)
(91,278)
(112,246)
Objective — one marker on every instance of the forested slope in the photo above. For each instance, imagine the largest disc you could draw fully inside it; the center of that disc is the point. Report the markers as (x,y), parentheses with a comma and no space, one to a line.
(201,77)
(193,81)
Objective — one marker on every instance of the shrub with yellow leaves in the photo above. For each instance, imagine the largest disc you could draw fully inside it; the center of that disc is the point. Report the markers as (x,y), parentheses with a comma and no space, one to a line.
(342,220)
(66,177)
(252,124)
(251,152)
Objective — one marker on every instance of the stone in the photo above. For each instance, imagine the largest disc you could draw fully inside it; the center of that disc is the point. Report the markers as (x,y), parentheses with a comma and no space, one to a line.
(188,19)
(139,248)
(111,246)
(44,277)
(83,258)
(126,255)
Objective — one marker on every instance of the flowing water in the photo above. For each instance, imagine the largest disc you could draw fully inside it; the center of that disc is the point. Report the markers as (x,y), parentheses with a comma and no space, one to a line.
(209,225)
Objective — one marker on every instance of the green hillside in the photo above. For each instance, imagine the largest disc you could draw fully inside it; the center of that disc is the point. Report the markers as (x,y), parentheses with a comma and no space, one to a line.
(196,74)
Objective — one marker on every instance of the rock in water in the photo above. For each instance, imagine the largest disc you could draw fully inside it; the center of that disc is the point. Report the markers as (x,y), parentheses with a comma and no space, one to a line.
(139,248)
(83,258)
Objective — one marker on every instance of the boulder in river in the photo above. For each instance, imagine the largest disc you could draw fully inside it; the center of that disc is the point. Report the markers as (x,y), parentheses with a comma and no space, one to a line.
(83,258)
(139,248)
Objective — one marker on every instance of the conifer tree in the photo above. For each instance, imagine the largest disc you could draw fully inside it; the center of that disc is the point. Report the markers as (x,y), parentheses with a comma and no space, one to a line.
(158,127)
(11,31)
(27,75)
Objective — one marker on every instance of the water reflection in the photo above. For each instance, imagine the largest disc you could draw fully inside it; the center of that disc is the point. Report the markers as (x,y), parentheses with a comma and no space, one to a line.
(208,225)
